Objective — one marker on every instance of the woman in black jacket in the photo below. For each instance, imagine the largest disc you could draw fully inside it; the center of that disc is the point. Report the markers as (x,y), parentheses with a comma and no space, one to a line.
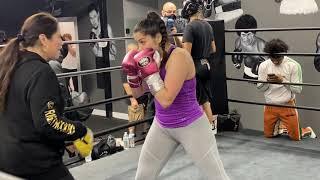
(32,127)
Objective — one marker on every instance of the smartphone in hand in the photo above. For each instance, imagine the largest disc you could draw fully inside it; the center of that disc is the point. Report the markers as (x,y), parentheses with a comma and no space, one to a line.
(271,77)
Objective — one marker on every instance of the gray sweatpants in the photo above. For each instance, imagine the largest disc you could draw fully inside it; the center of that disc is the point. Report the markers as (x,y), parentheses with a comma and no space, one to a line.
(197,140)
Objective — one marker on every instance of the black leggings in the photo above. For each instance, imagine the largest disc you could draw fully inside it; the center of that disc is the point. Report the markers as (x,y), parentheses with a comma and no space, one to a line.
(74,78)
(203,91)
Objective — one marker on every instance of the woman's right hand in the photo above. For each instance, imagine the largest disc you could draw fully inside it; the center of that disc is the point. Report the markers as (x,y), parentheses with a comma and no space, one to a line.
(84,145)
(134,103)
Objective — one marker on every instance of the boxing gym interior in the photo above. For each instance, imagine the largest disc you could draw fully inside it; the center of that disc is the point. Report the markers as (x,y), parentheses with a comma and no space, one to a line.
(102,33)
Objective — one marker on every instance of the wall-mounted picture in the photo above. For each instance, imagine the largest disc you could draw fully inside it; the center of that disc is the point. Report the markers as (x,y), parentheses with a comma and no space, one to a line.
(227,10)
(293,7)
(248,41)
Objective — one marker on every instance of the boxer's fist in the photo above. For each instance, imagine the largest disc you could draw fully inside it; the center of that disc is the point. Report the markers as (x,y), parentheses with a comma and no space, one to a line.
(130,68)
(84,145)
(147,62)
(237,59)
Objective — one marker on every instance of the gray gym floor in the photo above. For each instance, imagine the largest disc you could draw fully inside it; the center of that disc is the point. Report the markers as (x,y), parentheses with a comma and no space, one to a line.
(246,155)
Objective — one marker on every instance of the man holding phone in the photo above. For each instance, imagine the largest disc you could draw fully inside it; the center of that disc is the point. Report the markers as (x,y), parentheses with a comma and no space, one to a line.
(280,69)
(173,20)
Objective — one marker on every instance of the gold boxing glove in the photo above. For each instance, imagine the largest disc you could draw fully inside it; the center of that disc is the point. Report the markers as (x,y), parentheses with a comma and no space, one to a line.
(85,144)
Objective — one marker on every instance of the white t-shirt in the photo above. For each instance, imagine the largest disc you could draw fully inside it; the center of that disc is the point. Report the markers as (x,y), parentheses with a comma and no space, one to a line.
(278,93)
(70,62)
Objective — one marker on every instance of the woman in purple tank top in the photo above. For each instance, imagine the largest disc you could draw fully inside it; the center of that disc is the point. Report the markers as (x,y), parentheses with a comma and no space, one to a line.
(179,120)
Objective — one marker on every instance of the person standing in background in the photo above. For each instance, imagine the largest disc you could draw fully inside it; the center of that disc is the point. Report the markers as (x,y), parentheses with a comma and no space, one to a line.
(174,22)
(198,40)
(70,63)
(137,107)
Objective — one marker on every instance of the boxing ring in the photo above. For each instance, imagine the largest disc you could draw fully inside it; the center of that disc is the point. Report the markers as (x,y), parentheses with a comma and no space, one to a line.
(245,154)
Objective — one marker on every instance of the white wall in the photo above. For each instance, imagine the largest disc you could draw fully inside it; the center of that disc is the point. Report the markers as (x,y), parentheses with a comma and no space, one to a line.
(135,10)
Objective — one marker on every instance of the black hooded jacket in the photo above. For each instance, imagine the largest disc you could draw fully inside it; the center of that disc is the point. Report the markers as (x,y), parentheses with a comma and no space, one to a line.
(33,130)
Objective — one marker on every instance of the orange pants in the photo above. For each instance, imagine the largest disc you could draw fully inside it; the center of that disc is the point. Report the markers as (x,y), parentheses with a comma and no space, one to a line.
(288,116)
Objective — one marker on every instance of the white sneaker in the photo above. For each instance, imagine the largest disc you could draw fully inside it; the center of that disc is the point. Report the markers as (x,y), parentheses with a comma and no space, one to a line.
(312,134)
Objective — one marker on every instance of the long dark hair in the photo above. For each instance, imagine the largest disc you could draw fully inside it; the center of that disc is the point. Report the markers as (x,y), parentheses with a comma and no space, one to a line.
(152,25)
(40,23)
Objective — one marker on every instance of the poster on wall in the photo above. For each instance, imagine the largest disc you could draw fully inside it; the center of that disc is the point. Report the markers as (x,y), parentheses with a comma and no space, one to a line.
(293,7)
(248,42)
(96,33)
(101,29)
(227,10)
(91,23)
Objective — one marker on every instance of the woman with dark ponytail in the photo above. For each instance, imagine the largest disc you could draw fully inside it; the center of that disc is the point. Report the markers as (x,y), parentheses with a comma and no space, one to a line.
(32,127)
(169,74)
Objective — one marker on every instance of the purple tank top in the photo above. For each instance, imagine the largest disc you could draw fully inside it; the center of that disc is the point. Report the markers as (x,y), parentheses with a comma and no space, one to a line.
(185,108)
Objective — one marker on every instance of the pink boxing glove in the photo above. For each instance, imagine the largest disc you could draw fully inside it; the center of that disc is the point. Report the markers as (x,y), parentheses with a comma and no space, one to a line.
(130,68)
(147,63)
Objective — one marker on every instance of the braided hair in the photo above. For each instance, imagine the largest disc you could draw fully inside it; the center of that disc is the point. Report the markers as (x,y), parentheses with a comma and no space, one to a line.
(152,25)
(191,7)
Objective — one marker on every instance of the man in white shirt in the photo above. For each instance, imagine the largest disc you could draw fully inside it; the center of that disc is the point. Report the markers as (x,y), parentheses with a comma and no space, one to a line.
(70,63)
(173,21)
(281,69)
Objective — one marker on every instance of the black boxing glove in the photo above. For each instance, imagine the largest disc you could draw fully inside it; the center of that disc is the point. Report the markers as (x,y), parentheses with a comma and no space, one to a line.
(237,59)
(64,51)
(255,68)
(92,35)
(256,63)
(317,63)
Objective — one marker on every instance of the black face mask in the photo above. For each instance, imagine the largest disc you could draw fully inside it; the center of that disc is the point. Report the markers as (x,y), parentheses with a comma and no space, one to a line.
(172,16)
(170,21)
